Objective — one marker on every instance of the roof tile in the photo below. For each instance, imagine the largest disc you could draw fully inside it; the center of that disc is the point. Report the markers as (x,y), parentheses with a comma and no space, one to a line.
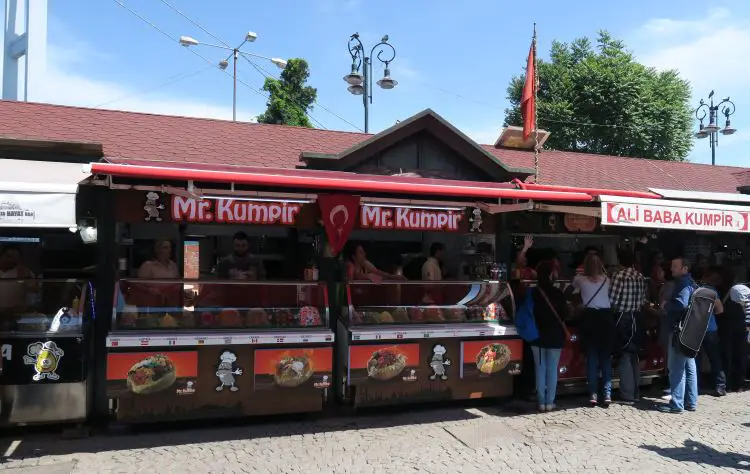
(184,140)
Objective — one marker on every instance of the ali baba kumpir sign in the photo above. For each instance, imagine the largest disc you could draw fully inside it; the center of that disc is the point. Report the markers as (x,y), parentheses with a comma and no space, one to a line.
(237,211)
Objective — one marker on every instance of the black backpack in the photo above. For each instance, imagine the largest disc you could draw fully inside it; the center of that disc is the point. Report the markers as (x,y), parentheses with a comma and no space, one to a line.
(691,329)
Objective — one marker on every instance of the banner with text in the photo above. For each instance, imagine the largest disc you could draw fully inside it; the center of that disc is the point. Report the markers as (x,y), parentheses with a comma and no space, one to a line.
(410,218)
(674,217)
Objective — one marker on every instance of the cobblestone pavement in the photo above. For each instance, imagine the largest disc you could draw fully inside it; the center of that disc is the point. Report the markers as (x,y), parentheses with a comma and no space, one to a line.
(440,440)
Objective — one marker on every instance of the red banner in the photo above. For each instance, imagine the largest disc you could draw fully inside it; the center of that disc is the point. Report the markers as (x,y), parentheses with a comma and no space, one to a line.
(339,214)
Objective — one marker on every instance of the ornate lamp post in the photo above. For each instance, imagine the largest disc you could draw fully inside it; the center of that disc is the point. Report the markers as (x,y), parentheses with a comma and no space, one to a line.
(712,130)
(361,84)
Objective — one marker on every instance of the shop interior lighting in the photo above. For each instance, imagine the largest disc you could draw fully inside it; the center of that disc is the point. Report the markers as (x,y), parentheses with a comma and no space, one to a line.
(252,199)
(426,208)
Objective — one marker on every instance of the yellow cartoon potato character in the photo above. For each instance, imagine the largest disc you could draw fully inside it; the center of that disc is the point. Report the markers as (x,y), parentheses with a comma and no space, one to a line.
(45,358)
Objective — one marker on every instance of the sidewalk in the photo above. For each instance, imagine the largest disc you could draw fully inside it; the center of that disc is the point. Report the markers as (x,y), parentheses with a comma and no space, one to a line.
(442,440)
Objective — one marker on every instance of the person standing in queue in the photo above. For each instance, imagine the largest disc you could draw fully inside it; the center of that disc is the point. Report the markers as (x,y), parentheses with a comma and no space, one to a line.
(431,270)
(597,328)
(525,272)
(241,264)
(550,313)
(733,334)
(683,375)
(711,347)
(628,294)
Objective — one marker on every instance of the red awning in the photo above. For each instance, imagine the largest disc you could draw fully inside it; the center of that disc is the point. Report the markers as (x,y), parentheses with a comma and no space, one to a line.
(334,181)
(589,191)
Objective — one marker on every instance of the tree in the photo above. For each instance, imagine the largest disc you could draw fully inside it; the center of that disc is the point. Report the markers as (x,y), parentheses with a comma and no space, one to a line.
(638,111)
(289,98)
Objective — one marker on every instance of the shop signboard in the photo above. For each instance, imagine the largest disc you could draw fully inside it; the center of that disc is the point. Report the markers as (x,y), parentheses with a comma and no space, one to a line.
(37,209)
(410,218)
(678,215)
(41,360)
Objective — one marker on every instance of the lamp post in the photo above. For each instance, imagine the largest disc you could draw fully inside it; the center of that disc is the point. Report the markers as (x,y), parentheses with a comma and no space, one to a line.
(188,41)
(361,84)
(712,130)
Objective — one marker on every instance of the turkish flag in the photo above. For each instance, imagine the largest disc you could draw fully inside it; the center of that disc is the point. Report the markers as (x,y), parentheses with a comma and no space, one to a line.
(339,213)
(528,97)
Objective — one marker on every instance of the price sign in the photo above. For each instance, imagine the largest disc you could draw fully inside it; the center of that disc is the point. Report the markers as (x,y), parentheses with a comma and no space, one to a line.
(253,340)
(378,336)
(355,337)
(399,335)
(426,335)
(279,339)
(227,340)
(171,342)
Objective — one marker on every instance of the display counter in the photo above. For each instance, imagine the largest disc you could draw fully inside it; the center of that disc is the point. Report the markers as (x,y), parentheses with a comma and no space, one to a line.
(572,366)
(416,341)
(184,349)
(43,344)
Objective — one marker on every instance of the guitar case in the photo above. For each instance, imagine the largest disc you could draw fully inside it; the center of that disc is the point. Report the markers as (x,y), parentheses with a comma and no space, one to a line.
(692,328)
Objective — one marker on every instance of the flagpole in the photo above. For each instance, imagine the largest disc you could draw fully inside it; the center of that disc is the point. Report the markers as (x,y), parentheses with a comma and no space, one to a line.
(537,178)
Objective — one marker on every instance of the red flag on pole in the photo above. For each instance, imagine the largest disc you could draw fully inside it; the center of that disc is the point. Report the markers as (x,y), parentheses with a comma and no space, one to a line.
(528,97)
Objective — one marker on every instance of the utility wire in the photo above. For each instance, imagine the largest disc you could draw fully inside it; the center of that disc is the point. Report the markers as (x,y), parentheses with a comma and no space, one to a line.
(257,67)
(172,80)
(176,40)
(267,74)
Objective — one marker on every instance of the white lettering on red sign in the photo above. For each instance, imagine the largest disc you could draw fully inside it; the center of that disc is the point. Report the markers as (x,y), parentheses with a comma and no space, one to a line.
(654,216)
(231,211)
(404,218)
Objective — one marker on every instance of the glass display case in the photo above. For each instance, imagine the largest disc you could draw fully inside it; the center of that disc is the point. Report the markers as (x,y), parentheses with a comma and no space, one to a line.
(209,304)
(422,302)
(42,305)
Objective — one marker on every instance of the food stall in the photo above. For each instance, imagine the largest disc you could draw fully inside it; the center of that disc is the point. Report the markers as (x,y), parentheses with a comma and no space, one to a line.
(45,295)
(414,341)
(204,344)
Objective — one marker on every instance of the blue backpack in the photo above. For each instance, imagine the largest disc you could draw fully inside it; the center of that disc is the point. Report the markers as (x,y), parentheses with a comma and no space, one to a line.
(525,322)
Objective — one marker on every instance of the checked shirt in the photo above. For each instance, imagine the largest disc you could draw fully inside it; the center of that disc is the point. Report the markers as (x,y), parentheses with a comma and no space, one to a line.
(628,290)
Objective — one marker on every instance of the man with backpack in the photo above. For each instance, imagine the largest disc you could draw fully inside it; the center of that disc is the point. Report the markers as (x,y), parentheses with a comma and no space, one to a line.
(683,375)
(628,295)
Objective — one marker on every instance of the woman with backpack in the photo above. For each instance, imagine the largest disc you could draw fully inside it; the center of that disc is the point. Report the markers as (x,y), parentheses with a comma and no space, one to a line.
(550,312)
(598,328)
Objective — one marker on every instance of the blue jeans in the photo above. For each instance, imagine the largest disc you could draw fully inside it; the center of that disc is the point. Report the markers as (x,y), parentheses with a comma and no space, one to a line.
(596,360)
(546,361)
(683,380)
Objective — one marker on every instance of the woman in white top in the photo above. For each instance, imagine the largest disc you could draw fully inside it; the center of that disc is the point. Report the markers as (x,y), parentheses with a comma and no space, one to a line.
(597,327)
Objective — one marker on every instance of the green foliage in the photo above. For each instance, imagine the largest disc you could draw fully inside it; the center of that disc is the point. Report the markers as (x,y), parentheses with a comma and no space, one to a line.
(289,98)
(646,113)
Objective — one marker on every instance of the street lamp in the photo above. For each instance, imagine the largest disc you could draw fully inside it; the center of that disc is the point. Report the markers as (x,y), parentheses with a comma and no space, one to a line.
(712,129)
(361,84)
(250,37)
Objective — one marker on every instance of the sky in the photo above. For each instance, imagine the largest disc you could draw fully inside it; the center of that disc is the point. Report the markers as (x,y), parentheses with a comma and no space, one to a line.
(453,57)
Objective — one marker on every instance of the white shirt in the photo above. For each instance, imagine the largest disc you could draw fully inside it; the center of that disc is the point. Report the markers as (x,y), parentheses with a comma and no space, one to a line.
(431,270)
(588,288)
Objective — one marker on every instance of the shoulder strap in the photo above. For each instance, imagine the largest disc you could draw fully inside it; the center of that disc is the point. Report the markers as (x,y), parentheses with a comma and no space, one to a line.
(554,311)
(597,292)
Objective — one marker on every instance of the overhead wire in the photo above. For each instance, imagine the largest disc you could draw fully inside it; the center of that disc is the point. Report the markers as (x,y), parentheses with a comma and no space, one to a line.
(176,40)
(172,80)
(258,68)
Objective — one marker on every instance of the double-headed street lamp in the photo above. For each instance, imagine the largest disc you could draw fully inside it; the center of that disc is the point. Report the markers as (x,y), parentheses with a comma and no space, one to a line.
(712,130)
(361,84)
(188,41)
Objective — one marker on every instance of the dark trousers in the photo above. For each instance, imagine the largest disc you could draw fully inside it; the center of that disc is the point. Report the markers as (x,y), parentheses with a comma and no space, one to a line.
(712,348)
(734,343)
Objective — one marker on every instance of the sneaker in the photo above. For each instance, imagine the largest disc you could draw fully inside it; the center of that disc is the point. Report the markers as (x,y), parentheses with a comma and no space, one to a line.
(593,399)
(550,407)
(667,398)
(627,402)
(541,407)
(667,409)
(691,408)
(721,391)
(607,399)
